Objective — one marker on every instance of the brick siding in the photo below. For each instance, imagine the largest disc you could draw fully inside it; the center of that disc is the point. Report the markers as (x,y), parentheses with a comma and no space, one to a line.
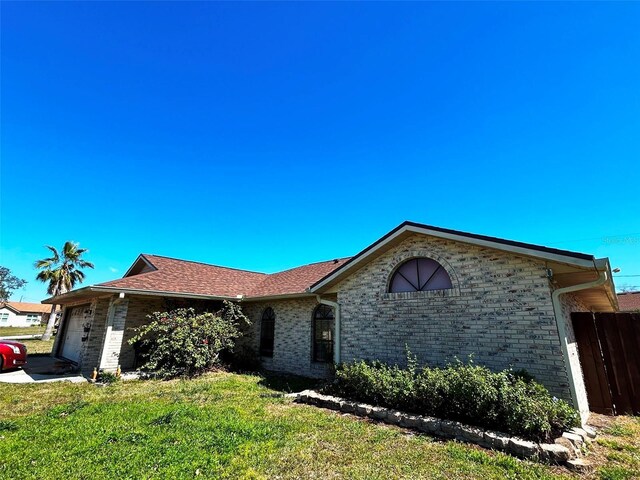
(292,352)
(499,311)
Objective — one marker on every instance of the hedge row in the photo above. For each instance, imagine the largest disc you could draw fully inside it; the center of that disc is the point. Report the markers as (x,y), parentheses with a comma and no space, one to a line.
(505,401)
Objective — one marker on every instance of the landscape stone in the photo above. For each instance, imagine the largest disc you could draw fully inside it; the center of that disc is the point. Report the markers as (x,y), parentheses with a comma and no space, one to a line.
(429,424)
(363,409)
(573,452)
(554,453)
(590,431)
(496,440)
(393,417)
(573,438)
(579,465)
(523,448)
(450,428)
(378,413)
(348,407)
(582,434)
(472,434)
(409,421)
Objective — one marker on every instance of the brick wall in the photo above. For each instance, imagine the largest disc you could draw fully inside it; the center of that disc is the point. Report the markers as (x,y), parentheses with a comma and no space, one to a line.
(93,345)
(139,308)
(292,351)
(499,310)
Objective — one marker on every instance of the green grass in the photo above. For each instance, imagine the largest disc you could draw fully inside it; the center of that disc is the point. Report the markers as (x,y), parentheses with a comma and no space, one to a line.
(11,331)
(619,444)
(38,346)
(34,346)
(222,426)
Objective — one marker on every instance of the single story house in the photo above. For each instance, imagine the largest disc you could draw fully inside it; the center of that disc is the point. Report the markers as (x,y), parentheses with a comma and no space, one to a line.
(440,293)
(23,314)
(629,301)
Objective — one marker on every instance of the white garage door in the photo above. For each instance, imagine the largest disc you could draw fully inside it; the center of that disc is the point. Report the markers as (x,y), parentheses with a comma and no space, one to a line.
(73,331)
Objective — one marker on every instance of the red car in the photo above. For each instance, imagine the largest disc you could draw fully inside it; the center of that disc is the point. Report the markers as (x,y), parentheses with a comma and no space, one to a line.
(12,354)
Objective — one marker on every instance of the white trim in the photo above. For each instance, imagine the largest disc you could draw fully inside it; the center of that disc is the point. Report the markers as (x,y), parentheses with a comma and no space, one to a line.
(140,257)
(530,252)
(562,333)
(131,291)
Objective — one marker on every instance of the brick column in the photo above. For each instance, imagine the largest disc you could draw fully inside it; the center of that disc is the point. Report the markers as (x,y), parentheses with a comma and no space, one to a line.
(114,333)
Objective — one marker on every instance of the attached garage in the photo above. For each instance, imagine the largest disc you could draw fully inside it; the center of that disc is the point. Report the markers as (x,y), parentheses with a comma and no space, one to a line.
(71,347)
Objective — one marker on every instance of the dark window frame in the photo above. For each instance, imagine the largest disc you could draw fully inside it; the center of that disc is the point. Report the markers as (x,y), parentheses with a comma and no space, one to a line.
(323,322)
(418,284)
(267,332)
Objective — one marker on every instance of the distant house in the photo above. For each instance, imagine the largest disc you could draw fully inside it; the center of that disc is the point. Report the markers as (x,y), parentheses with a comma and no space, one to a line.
(22,314)
(629,301)
(441,293)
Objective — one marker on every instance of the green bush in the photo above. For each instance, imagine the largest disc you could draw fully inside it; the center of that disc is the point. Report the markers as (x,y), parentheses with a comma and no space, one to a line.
(505,401)
(184,343)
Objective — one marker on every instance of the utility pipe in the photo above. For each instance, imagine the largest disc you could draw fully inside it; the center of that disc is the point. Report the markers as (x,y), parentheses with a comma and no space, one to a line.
(336,327)
(562,331)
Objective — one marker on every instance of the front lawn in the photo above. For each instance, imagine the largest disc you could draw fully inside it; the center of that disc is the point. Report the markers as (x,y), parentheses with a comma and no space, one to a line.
(229,426)
(11,331)
(37,346)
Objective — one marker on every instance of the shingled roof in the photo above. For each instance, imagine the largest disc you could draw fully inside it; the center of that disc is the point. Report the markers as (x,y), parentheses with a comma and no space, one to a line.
(629,301)
(186,277)
(24,307)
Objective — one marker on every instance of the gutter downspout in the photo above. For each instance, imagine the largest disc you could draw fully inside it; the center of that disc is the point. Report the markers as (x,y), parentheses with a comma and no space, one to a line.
(336,327)
(562,331)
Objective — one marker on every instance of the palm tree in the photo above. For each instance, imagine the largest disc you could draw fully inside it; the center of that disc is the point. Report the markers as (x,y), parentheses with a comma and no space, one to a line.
(62,273)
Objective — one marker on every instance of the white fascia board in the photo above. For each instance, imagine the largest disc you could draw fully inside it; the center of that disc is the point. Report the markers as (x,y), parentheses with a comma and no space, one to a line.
(135,262)
(159,293)
(130,291)
(529,252)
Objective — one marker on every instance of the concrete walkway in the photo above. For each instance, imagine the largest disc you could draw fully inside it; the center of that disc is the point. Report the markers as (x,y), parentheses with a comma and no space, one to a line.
(42,369)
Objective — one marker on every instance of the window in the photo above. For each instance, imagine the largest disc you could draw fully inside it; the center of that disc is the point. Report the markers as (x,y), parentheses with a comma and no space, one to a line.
(33,318)
(4,317)
(323,334)
(419,275)
(267,330)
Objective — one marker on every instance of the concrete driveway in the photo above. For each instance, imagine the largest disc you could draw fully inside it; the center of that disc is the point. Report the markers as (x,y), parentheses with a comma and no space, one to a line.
(42,369)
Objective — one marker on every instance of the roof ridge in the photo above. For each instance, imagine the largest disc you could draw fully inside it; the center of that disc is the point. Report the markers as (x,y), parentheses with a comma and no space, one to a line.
(201,263)
(504,241)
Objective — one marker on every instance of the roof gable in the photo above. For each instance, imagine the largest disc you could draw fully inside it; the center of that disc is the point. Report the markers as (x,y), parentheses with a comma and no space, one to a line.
(26,307)
(184,276)
(406,229)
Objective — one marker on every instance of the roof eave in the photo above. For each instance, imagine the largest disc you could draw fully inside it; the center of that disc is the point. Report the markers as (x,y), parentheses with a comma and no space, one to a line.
(62,299)
(284,296)
(570,258)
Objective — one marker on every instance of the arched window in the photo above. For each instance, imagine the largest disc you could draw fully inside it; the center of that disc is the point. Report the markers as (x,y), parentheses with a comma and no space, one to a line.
(267,330)
(323,334)
(419,275)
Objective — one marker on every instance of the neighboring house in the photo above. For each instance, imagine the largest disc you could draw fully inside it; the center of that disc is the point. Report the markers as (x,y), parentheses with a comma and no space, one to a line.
(443,294)
(629,301)
(21,314)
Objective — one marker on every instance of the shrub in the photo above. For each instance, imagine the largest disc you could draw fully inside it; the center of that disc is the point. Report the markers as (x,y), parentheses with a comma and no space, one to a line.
(469,393)
(184,343)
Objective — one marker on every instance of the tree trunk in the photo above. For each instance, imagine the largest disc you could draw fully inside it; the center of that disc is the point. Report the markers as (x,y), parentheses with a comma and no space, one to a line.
(50,324)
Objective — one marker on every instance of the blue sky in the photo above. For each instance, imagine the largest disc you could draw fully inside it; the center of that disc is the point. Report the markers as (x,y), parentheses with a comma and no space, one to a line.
(268,135)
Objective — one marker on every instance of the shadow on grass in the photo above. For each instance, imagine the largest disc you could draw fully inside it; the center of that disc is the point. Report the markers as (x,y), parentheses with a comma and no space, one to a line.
(288,383)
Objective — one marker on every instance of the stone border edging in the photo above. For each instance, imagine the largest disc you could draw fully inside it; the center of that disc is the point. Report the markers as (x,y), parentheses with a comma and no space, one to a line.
(566,449)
